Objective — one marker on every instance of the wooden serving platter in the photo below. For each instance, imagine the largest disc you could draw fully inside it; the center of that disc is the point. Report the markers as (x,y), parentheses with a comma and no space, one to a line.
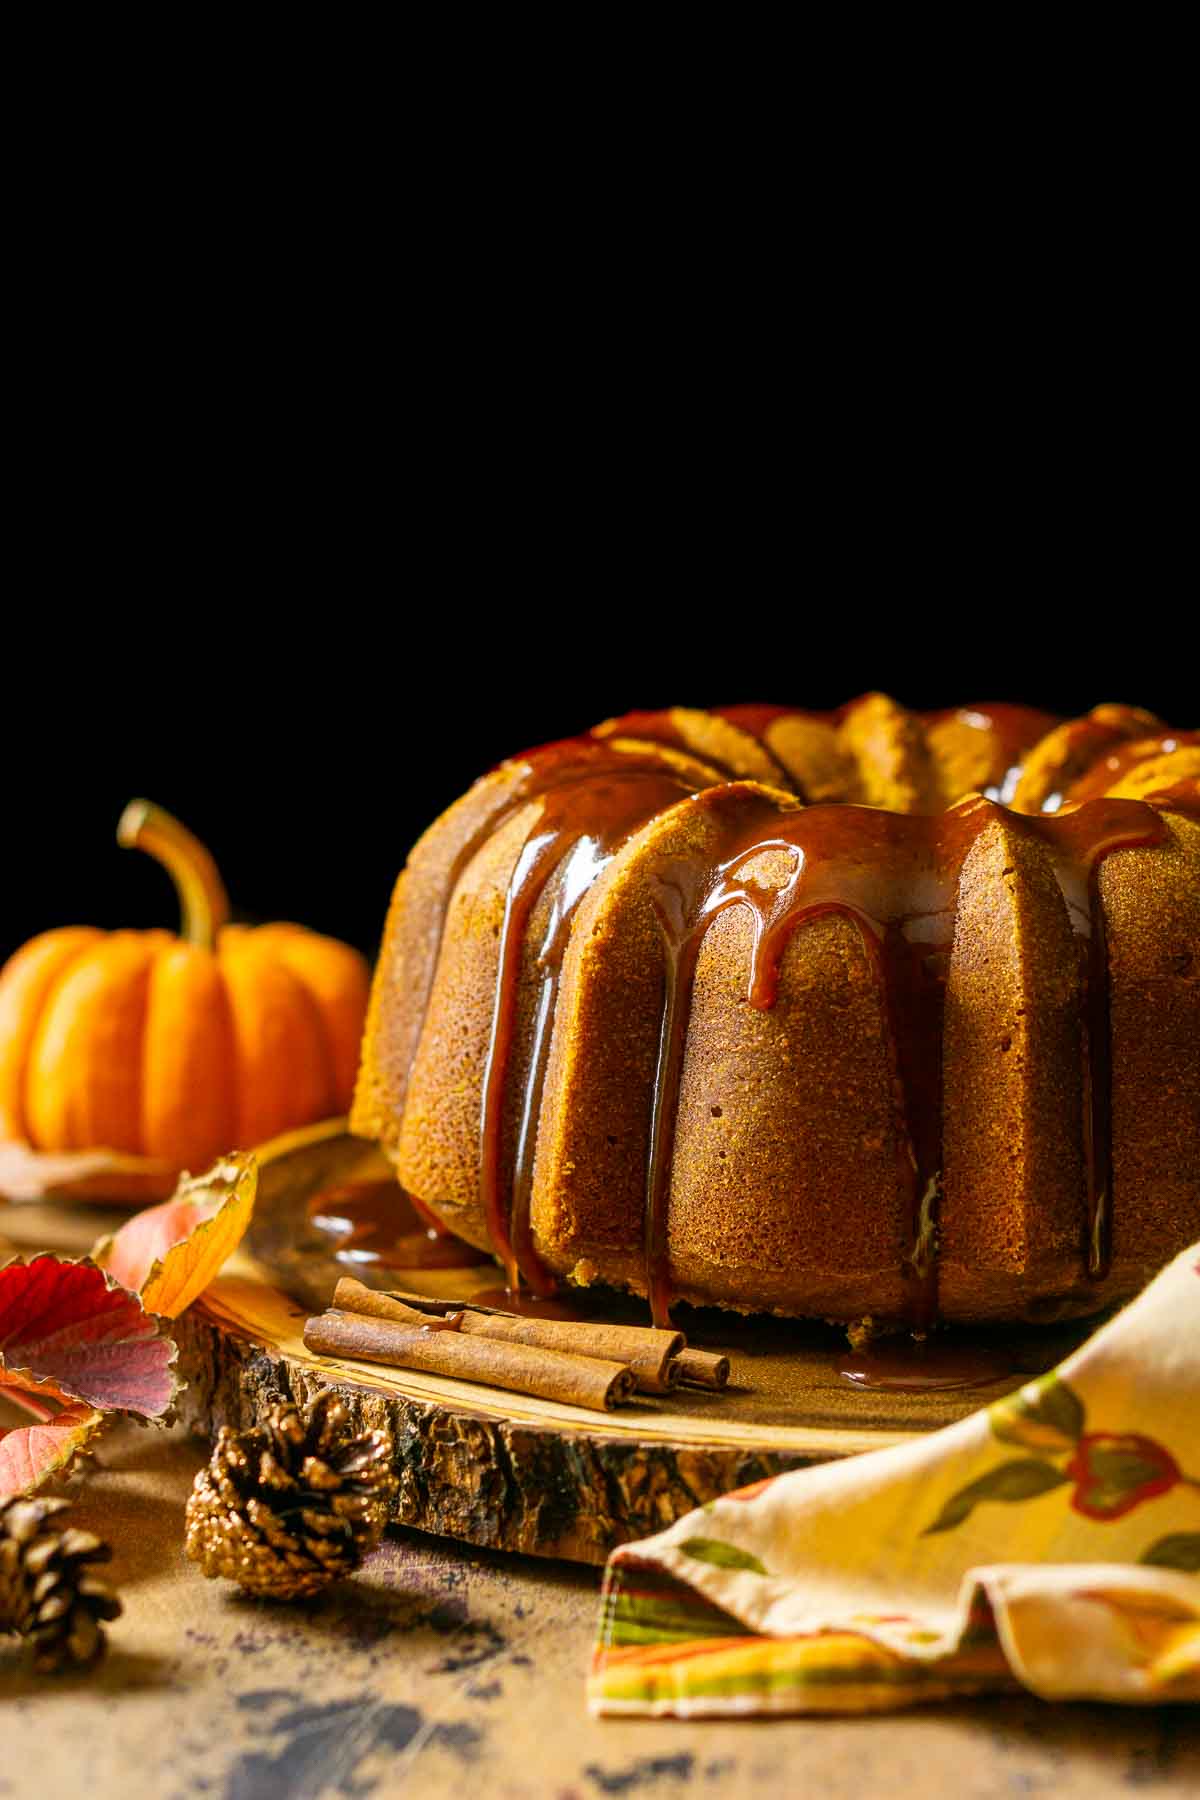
(512,1473)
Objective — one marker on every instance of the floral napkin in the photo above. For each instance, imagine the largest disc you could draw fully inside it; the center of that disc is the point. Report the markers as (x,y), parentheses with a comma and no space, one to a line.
(1050,1541)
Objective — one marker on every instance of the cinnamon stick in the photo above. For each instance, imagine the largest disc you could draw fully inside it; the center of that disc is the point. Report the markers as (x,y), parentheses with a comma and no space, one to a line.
(649,1353)
(522,1368)
(703,1368)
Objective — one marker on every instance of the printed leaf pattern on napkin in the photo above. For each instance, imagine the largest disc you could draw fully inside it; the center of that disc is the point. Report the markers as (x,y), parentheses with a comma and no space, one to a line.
(721,1555)
(1112,1472)
(1023,1479)
(1051,1541)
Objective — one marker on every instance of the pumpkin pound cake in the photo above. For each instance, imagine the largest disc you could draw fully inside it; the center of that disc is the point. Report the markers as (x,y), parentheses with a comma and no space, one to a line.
(864,1013)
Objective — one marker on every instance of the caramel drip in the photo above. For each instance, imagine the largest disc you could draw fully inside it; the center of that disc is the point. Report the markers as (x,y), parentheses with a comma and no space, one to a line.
(1179,796)
(845,860)
(1013,731)
(532,1306)
(1086,743)
(565,762)
(376,1224)
(1016,729)
(896,877)
(564,772)
(538,860)
(1079,841)
(924,1368)
(1117,761)
(579,829)
(659,728)
(757,720)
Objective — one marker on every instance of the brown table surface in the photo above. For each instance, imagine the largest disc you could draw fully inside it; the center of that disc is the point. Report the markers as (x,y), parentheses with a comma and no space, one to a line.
(441,1668)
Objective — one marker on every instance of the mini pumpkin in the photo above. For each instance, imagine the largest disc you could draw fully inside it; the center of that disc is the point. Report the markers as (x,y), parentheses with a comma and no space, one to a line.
(176,1049)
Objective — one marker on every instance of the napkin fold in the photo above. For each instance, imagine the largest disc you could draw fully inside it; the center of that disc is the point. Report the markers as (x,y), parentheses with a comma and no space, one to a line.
(1050,1541)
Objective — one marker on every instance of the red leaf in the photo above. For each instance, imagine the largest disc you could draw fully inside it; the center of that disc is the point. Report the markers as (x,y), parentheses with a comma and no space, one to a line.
(68,1329)
(30,1454)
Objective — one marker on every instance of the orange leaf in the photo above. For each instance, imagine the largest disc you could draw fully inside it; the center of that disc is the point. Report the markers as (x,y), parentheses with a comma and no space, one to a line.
(170,1253)
(28,1389)
(31,1454)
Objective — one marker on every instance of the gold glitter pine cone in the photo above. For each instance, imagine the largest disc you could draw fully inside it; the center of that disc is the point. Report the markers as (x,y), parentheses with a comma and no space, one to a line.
(48,1590)
(289,1506)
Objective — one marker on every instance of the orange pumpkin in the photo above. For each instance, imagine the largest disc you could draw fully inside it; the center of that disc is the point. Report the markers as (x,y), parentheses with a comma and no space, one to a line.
(176,1049)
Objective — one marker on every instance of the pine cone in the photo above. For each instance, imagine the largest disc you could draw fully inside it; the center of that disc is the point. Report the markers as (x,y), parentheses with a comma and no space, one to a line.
(290,1506)
(47,1590)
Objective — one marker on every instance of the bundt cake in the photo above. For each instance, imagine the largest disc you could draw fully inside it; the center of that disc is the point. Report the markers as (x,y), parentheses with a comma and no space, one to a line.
(864,1013)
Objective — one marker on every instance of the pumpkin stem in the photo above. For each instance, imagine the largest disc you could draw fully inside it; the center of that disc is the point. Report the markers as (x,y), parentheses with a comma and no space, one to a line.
(203,902)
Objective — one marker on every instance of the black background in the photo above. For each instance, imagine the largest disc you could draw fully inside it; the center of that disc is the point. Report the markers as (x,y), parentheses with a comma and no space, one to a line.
(308,737)
(331,480)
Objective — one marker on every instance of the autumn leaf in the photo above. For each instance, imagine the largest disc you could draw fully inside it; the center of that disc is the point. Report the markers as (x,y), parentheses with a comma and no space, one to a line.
(721,1555)
(1045,1415)
(1022,1479)
(68,1331)
(170,1253)
(78,1342)
(31,1454)
(74,1346)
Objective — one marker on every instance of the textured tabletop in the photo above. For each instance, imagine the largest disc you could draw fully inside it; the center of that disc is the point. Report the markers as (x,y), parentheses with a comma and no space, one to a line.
(440,1669)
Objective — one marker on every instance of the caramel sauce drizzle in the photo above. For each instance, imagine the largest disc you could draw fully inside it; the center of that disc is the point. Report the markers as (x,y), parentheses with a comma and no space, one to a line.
(1014,730)
(375,1224)
(564,777)
(1117,761)
(756,719)
(451,1321)
(895,876)
(574,838)
(925,1367)
(660,728)
(1087,741)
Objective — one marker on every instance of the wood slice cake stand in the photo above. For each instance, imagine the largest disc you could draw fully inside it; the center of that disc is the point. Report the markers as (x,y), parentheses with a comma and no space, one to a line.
(513,1473)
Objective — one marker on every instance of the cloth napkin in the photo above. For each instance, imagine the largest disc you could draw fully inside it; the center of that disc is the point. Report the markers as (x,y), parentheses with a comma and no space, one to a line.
(1050,1541)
